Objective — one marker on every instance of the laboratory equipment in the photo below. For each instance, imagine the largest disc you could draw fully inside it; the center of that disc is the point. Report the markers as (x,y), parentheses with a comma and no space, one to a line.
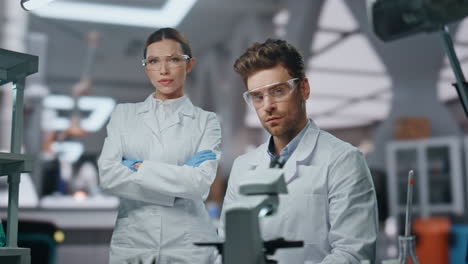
(406,245)
(438,173)
(392,20)
(433,239)
(243,241)
(15,67)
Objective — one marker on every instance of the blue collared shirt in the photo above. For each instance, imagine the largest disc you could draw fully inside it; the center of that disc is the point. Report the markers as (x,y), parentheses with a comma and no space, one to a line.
(288,150)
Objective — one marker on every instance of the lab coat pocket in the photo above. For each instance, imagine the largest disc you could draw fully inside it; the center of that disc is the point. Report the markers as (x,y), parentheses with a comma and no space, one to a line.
(200,229)
(135,232)
(120,235)
(307,218)
(312,179)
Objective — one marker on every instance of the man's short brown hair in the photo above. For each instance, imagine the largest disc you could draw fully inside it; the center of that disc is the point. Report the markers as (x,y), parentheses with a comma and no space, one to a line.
(272,52)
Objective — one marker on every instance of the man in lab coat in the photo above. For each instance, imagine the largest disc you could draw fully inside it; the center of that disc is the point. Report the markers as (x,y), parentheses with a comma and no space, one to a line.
(331,203)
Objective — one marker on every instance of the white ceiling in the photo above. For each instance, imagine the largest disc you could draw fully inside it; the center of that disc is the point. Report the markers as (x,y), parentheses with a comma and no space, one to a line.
(445,90)
(345,69)
(349,84)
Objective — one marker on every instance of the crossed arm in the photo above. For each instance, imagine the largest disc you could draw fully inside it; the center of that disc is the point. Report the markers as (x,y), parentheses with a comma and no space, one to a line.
(157,182)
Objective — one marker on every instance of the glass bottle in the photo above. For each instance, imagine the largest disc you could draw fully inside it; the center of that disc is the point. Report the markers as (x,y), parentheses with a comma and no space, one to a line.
(406,250)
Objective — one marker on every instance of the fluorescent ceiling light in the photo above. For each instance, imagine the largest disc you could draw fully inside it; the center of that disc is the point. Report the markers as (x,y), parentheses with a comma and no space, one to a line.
(70,151)
(101,109)
(281,18)
(33,4)
(61,102)
(170,15)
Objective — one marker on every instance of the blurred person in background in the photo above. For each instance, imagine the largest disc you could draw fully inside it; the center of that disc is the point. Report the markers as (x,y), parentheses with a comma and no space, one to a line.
(160,158)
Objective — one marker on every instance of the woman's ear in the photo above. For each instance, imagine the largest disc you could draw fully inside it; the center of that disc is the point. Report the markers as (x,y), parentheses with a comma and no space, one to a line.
(190,64)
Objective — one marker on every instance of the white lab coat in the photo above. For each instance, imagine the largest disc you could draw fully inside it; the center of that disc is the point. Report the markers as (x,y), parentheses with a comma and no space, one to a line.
(330,205)
(161,210)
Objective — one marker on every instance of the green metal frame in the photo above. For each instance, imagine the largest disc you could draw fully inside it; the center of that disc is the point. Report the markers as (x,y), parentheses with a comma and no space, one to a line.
(14,68)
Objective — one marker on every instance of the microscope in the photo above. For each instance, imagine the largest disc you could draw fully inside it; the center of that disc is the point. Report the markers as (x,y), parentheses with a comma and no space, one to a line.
(243,243)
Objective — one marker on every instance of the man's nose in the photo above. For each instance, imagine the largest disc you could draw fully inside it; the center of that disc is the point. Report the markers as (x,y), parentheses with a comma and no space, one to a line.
(268,103)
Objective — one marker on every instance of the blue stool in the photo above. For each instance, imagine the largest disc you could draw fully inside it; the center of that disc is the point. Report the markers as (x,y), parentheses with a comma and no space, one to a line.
(459,244)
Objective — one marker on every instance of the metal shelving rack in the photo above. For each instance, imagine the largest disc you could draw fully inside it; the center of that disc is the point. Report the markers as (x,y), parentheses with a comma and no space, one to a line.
(14,68)
(438,185)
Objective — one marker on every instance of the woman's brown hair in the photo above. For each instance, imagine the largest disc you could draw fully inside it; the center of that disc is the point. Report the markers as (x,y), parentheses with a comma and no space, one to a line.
(169,33)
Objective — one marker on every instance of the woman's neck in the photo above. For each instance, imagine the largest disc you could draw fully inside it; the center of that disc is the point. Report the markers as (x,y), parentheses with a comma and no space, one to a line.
(164,97)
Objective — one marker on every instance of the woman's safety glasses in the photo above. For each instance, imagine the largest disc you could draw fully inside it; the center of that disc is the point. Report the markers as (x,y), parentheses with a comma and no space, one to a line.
(170,61)
(278,92)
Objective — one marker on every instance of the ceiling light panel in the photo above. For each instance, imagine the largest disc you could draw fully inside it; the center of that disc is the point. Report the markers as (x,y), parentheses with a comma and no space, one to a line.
(281,18)
(139,3)
(170,15)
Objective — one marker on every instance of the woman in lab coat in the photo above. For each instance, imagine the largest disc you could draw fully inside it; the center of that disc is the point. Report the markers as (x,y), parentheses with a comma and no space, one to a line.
(160,157)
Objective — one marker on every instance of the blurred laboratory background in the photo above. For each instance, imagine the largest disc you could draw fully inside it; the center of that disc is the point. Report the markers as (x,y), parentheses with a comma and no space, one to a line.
(395,101)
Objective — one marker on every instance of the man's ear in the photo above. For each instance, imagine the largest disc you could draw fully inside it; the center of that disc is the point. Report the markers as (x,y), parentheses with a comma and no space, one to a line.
(305,89)
(190,64)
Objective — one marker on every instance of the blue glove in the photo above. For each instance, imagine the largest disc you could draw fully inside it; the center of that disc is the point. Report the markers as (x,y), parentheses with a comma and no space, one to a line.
(201,157)
(130,163)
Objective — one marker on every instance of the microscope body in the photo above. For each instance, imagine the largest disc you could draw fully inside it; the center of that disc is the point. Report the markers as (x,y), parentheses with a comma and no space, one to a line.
(259,198)
(244,243)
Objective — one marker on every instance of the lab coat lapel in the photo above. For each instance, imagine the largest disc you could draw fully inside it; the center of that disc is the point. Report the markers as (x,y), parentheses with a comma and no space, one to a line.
(186,109)
(261,158)
(304,149)
(148,116)
(172,121)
